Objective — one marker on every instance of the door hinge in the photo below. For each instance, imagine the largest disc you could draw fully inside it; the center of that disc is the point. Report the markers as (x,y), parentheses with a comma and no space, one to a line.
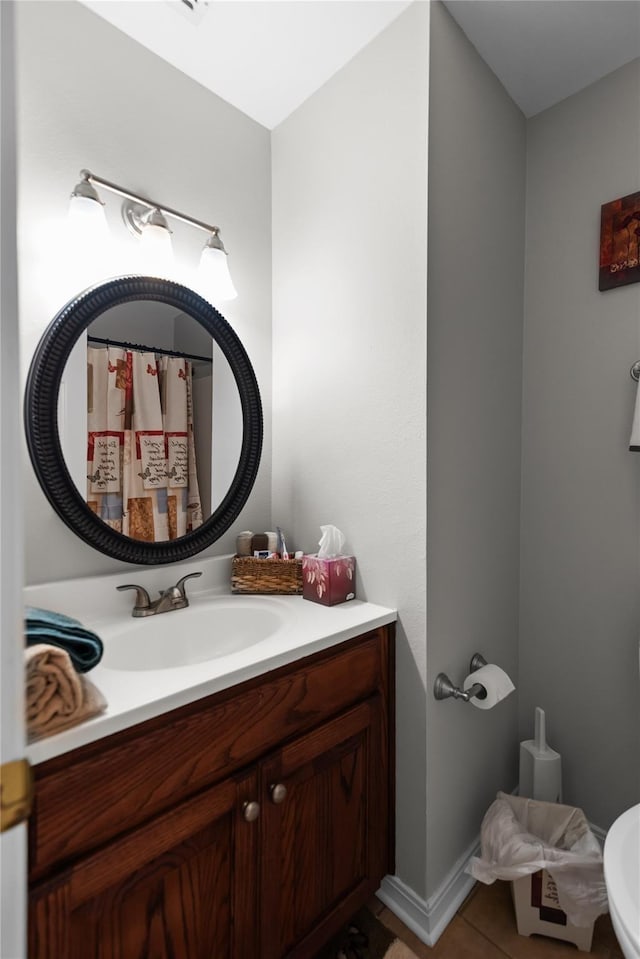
(16,793)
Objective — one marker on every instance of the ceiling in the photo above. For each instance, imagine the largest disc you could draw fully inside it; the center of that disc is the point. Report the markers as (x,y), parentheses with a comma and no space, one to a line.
(545,50)
(266,57)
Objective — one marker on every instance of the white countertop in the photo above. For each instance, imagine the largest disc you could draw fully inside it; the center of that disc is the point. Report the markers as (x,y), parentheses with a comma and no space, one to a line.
(134,696)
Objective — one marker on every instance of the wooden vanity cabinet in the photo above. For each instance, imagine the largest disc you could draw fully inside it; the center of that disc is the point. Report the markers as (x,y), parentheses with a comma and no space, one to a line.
(218,838)
(168,889)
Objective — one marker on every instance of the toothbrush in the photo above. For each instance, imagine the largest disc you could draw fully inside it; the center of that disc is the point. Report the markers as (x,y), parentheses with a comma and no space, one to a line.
(281,542)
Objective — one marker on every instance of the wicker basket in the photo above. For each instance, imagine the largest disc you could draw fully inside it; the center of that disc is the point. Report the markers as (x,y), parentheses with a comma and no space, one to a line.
(249,575)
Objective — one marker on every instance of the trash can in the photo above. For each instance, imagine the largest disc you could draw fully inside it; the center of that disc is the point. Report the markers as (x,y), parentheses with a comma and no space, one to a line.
(554,863)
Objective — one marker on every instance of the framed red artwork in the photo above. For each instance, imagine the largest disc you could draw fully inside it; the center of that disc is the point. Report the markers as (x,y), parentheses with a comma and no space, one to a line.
(620,242)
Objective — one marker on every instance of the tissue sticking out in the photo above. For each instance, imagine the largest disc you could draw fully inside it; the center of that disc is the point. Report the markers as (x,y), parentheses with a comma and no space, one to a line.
(331,542)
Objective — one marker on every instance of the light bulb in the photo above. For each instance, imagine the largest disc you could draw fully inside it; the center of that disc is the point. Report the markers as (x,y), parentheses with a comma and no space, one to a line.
(87,236)
(156,250)
(214,279)
(86,220)
(86,216)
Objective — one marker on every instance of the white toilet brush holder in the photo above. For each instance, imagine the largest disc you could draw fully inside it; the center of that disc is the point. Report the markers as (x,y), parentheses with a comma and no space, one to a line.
(540,766)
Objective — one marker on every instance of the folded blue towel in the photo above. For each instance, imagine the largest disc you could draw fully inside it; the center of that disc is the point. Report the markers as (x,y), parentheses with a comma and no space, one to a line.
(45,626)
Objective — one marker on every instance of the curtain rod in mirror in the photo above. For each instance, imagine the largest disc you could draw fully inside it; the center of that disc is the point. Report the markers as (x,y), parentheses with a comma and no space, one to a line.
(140,347)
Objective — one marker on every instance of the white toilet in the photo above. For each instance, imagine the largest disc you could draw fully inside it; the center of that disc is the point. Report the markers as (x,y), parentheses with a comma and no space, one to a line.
(622,876)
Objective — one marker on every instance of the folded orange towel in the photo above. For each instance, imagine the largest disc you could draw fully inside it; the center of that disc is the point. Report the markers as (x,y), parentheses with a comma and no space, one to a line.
(57,696)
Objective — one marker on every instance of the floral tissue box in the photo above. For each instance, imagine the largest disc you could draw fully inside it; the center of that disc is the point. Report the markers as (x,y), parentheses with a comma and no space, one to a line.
(329,581)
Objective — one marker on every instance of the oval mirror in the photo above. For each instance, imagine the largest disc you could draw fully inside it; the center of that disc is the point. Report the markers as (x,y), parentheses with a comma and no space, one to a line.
(143,420)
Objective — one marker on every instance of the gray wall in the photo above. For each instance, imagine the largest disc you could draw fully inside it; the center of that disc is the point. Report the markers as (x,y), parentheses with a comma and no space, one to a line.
(581,487)
(91,97)
(475,297)
(349,330)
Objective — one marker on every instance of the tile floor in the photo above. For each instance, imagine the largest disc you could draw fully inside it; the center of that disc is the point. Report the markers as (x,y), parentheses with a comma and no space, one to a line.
(485,928)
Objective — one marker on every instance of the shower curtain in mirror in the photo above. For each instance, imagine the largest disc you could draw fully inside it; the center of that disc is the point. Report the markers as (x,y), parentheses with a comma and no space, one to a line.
(141,463)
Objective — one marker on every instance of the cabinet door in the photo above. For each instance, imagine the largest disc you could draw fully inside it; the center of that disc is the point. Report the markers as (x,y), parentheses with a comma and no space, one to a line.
(325,839)
(184,885)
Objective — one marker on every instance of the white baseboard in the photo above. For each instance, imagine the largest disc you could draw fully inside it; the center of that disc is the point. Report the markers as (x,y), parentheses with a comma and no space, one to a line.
(428,920)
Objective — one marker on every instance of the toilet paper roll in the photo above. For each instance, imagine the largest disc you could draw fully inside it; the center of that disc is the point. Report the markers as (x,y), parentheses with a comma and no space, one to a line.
(495,681)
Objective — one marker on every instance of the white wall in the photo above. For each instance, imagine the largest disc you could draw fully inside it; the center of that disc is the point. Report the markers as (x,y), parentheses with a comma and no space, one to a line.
(349,369)
(349,446)
(475,316)
(580,603)
(91,97)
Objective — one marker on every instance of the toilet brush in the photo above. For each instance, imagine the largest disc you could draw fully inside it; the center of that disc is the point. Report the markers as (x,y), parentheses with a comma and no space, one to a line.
(540,766)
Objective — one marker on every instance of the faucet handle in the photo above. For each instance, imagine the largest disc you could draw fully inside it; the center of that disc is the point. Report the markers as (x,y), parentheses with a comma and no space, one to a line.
(142,596)
(180,584)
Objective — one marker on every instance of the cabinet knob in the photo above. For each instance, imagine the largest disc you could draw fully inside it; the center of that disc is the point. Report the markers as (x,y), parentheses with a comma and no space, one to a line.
(251,811)
(278,793)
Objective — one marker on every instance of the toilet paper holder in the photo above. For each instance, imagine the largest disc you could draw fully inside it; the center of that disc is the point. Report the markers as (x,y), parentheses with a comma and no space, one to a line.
(443,688)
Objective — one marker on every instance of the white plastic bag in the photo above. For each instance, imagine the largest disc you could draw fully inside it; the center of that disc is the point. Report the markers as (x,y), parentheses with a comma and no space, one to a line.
(520,836)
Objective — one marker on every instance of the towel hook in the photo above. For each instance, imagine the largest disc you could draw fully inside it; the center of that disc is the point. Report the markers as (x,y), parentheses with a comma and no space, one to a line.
(635,372)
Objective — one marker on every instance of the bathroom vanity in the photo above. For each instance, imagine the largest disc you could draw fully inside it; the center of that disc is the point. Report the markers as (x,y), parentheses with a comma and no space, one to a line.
(235,800)
(249,823)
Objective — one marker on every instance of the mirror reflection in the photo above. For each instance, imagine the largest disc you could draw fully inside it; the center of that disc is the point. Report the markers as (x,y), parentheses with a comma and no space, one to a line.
(150,421)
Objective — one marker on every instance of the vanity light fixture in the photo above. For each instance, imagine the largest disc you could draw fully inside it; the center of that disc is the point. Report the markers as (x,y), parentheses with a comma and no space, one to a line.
(148,220)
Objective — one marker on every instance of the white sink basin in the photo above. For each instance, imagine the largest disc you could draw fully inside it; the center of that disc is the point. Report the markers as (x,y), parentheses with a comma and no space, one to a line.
(622,876)
(203,631)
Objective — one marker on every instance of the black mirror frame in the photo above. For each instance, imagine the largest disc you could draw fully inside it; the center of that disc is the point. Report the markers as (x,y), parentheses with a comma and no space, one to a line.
(41,418)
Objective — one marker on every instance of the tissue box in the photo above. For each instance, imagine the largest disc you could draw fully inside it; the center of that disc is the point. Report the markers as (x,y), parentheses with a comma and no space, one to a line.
(329,581)
(535,900)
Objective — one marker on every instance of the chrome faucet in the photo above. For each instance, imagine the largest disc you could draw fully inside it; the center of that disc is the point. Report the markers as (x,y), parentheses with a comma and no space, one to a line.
(173,598)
